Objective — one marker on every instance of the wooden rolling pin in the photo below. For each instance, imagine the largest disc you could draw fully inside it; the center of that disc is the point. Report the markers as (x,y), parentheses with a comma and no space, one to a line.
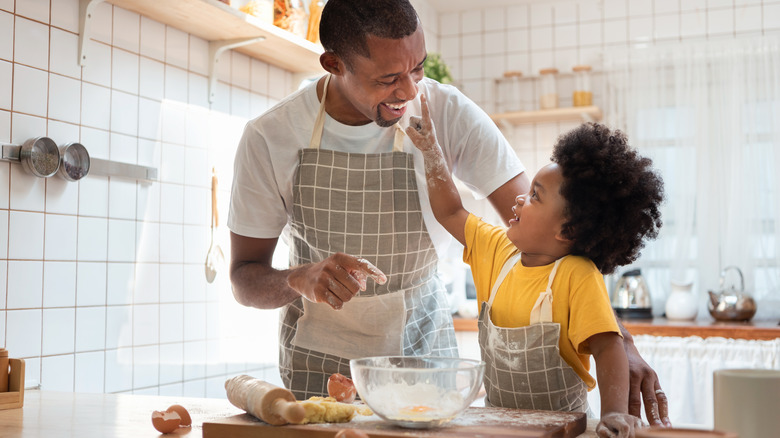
(272,404)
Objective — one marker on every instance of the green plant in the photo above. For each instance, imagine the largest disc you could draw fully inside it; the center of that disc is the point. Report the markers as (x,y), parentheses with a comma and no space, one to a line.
(436,69)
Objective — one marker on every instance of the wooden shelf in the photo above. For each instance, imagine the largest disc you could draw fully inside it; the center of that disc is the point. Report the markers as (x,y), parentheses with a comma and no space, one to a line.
(213,20)
(705,328)
(578,113)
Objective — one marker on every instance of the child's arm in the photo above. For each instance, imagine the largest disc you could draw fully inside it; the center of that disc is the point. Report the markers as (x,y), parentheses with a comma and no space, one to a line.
(612,376)
(445,199)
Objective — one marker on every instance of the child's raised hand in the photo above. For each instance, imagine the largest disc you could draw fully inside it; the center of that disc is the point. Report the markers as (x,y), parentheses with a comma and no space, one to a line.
(617,425)
(420,129)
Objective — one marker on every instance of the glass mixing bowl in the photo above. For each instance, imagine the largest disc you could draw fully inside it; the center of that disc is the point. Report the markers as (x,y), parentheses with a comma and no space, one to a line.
(417,392)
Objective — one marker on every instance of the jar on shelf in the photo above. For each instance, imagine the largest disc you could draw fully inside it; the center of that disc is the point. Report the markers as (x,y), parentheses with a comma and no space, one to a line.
(583,95)
(291,16)
(315,13)
(548,89)
(262,9)
(508,95)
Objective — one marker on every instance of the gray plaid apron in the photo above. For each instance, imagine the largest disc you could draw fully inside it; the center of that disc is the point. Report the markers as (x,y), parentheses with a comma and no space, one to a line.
(524,368)
(365,205)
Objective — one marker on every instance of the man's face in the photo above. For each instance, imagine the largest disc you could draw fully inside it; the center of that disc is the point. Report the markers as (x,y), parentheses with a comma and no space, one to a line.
(378,88)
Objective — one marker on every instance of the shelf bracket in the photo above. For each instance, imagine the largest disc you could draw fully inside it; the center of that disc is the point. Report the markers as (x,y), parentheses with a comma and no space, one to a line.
(86,9)
(215,50)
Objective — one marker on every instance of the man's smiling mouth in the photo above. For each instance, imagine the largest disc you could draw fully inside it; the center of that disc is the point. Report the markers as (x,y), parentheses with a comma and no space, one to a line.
(397,106)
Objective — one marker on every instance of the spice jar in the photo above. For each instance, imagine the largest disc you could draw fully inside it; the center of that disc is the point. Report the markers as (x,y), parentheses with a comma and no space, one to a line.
(507,91)
(548,89)
(291,15)
(315,13)
(583,96)
(262,9)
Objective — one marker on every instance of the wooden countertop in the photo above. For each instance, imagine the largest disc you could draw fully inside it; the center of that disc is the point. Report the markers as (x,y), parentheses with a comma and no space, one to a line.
(77,415)
(705,328)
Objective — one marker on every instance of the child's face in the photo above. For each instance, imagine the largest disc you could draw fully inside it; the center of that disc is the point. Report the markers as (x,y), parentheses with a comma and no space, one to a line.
(539,215)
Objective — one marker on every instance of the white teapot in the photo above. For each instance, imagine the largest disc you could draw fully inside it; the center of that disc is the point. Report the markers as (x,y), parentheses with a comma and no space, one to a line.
(681,304)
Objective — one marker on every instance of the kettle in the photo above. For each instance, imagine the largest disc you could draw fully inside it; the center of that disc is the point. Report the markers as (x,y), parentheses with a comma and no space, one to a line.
(631,298)
(731,304)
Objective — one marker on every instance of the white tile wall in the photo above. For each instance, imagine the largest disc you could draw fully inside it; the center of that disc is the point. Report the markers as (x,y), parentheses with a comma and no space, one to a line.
(565,33)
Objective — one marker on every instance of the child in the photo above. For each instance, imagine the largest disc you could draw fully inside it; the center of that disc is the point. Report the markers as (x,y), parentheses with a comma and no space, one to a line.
(544,304)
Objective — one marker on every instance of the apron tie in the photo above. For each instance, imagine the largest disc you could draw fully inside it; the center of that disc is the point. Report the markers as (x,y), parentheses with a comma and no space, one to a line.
(542,310)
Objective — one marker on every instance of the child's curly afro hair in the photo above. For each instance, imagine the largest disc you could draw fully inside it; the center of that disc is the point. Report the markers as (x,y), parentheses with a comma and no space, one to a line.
(612,193)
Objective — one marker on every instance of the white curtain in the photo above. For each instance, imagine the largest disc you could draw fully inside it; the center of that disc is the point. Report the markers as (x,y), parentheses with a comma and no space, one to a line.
(708,113)
(685,367)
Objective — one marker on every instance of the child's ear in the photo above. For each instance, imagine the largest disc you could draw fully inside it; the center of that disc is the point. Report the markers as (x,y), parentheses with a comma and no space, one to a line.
(563,239)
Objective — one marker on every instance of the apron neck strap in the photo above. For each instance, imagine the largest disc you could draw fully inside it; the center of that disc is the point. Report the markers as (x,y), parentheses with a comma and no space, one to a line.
(319,122)
(508,265)
(542,310)
(319,125)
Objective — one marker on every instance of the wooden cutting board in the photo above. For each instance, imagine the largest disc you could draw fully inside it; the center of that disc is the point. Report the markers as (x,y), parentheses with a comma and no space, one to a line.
(474,422)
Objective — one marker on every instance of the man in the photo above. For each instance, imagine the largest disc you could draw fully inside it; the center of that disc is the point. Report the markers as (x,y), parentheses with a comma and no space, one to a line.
(332,164)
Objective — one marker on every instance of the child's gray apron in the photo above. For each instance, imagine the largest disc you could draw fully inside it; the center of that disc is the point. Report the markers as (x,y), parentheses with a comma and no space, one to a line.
(365,205)
(524,368)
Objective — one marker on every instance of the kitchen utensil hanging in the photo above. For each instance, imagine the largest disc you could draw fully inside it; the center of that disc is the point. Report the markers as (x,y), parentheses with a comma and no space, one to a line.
(74,161)
(41,157)
(215,258)
(38,156)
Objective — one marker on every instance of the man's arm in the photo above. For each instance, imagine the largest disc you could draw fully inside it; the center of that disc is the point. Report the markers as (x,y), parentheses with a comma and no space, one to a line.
(334,280)
(644,385)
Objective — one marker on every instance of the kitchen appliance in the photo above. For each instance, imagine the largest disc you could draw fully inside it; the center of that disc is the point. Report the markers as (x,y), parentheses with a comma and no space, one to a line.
(417,392)
(731,304)
(631,298)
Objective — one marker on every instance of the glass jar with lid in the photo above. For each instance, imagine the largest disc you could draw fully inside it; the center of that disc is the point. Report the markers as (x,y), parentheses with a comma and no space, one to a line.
(548,89)
(507,91)
(583,95)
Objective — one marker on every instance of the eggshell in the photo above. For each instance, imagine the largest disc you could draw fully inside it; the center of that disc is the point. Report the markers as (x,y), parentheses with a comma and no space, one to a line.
(341,388)
(186,420)
(351,433)
(165,422)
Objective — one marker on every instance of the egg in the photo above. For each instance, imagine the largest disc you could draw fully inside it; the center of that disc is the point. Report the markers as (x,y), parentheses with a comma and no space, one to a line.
(165,422)
(351,433)
(186,420)
(341,388)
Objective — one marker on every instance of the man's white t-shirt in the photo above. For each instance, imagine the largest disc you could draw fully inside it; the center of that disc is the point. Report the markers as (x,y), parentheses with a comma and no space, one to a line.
(267,155)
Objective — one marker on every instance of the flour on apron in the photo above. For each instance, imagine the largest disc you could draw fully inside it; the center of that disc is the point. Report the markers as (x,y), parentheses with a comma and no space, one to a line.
(524,368)
(365,205)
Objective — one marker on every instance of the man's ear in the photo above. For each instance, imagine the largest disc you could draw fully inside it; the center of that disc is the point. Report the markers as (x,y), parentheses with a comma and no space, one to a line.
(332,63)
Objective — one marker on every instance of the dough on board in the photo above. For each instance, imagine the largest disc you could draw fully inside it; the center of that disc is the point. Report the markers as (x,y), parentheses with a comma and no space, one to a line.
(328,410)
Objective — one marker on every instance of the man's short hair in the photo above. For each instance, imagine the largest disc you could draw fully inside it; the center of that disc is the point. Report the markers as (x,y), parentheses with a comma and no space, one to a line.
(346,24)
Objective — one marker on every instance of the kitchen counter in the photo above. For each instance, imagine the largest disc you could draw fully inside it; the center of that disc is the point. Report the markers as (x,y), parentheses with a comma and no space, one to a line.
(77,415)
(705,328)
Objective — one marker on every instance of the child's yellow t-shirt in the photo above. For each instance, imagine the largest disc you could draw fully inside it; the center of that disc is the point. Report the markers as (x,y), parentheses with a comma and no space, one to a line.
(580,300)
